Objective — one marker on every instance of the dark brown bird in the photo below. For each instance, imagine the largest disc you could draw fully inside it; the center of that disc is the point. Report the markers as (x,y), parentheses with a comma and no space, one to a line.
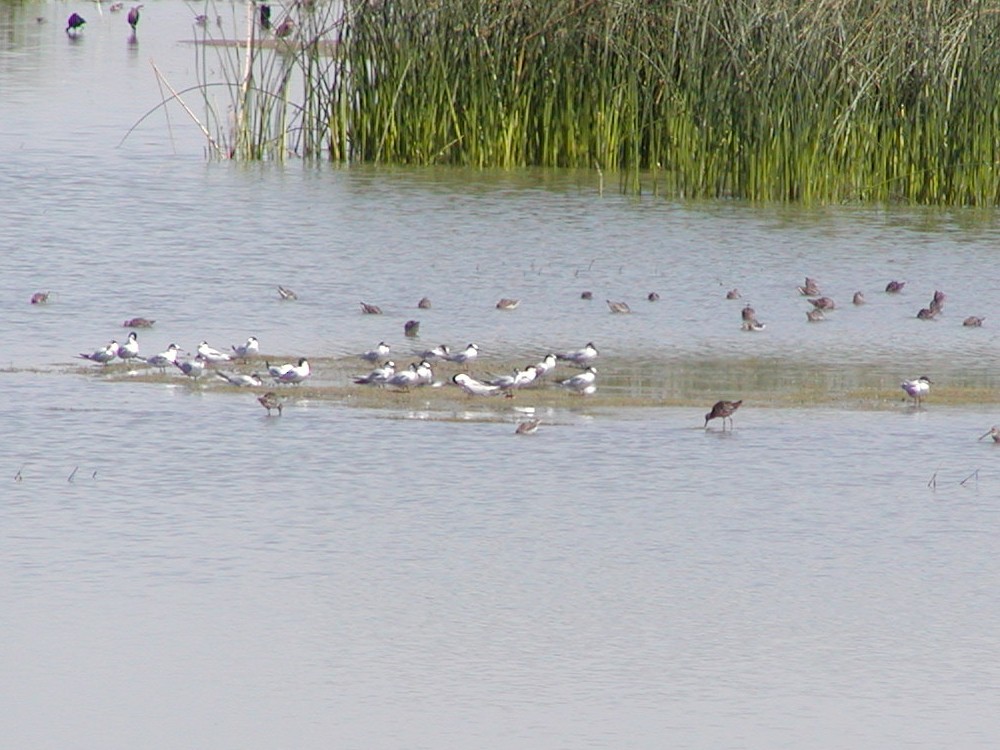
(927,313)
(823,303)
(424,303)
(411,328)
(733,294)
(370,309)
(814,316)
(39,298)
(723,410)
(138,323)
(506,303)
(653,297)
(586,295)
(133,17)
(894,287)
(973,321)
(859,298)
(270,401)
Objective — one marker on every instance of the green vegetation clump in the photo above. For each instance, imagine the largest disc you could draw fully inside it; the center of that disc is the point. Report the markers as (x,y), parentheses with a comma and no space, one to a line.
(766,100)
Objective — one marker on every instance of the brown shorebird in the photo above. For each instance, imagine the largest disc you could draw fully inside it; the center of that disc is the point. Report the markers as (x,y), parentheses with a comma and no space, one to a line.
(973,321)
(528,427)
(814,316)
(894,287)
(424,303)
(586,295)
(750,322)
(138,323)
(859,298)
(927,313)
(286,294)
(370,309)
(506,303)
(270,401)
(733,294)
(618,307)
(411,328)
(653,297)
(993,433)
(723,410)
(39,298)
(810,288)
(823,303)
(133,17)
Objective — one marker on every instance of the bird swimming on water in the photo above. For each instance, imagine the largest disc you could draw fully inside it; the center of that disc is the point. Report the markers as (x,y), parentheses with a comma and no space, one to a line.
(723,410)
(917,388)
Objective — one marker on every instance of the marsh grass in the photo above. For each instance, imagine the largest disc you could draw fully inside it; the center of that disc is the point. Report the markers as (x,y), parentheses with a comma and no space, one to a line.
(774,100)
(623,382)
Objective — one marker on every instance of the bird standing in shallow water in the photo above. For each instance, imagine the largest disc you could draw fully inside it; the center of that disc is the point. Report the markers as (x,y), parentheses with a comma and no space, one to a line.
(39,298)
(133,17)
(270,401)
(993,433)
(973,321)
(917,389)
(528,427)
(894,287)
(723,410)
(74,23)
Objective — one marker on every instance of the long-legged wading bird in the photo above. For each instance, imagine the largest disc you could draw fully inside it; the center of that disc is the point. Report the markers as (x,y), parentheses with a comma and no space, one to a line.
(133,16)
(723,410)
(270,401)
(74,23)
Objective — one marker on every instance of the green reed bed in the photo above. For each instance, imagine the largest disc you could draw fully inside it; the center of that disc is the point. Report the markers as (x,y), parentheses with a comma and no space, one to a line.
(786,100)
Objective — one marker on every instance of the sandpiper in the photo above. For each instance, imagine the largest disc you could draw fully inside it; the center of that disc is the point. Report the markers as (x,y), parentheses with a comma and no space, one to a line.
(823,303)
(810,288)
(814,316)
(39,298)
(973,321)
(618,307)
(858,299)
(894,287)
(286,294)
(138,323)
(411,328)
(528,427)
(993,433)
(733,294)
(723,410)
(270,401)
(506,303)
(424,303)
(370,309)
(653,297)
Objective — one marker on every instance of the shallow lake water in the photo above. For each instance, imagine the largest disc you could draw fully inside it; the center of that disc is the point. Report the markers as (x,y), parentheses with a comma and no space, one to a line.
(181,570)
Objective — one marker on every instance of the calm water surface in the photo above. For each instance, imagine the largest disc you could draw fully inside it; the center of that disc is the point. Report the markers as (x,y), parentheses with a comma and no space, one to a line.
(179,570)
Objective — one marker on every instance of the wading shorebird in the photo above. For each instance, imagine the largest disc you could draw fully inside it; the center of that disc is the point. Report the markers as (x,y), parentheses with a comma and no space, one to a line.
(917,388)
(506,303)
(424,303)
(133,17)
(993,433)
(370,309)
(411,328)
(618,307)
(814,316)
(973,321)
(286,294)
(927,313)
(823,303)
(39,298)
(858,299)
(586,295)
(733,294)
(750,322)
(270,401)
(138,323)
(894,287)
(723,410)
(653,297)
(528,427)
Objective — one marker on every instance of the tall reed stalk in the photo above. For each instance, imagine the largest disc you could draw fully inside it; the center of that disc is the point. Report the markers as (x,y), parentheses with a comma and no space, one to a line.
(787,100)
